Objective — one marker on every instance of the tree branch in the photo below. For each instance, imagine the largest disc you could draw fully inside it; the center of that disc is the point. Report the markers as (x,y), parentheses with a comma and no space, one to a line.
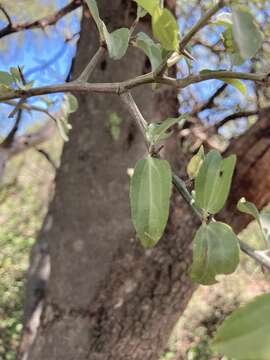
(214,75)
(237,115)
(201,23)
(41,23)
(210,102)
(10,137)
(121,87)
(90,67)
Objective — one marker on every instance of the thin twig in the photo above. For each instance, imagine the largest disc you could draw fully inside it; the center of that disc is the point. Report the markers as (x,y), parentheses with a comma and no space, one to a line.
(40,23)
(201,23)
(90,67)
(237,115)
(47,157)
(134,111)
(11,135)
(6,15)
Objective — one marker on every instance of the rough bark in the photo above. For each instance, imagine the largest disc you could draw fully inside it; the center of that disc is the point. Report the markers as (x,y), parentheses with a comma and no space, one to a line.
(108,298)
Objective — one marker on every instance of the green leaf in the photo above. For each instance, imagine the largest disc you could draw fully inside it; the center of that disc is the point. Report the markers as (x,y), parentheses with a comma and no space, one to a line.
(249,208)
(149,5)
(165,29)
(158,132)
(117,42)
(141,12)
(5,78)
(215,252)
(63,127)
(213,182)
(152,50)
(195,163)
(92,5)
(244,335)
(72,103)
(14,71)
(231,46)
(150,192)
(237,84)
(245,32)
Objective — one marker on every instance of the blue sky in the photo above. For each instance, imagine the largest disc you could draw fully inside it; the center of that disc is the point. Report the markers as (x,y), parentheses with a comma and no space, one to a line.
(46,58)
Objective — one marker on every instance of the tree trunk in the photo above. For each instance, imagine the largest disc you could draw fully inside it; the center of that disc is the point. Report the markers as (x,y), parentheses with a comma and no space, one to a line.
(107,298)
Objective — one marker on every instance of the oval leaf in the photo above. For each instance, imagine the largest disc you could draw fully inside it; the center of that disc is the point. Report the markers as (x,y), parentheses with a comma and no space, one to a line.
(92,5)
(150,192)
(149,5)
(213,182)
(117,42)
(72,103)
(215,252)
(152,50)
(165,29)
(5,78)
(245,32)
(244,334)
(195,163)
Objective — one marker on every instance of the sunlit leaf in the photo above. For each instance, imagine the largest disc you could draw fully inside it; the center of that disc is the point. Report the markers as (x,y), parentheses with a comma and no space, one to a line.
(149,5)
(213,182)
(215,252)
(150,192)
(244,335)
(5,78)
(72,103)
(195,163)
(165,29)
(237,84)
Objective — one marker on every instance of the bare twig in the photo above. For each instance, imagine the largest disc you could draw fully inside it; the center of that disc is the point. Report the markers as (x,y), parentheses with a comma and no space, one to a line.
(237,115)
(210,102)
(10,137)
(47,157)
(134,111)
(6,15)
(90,67)
(40,23)
(201,23)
